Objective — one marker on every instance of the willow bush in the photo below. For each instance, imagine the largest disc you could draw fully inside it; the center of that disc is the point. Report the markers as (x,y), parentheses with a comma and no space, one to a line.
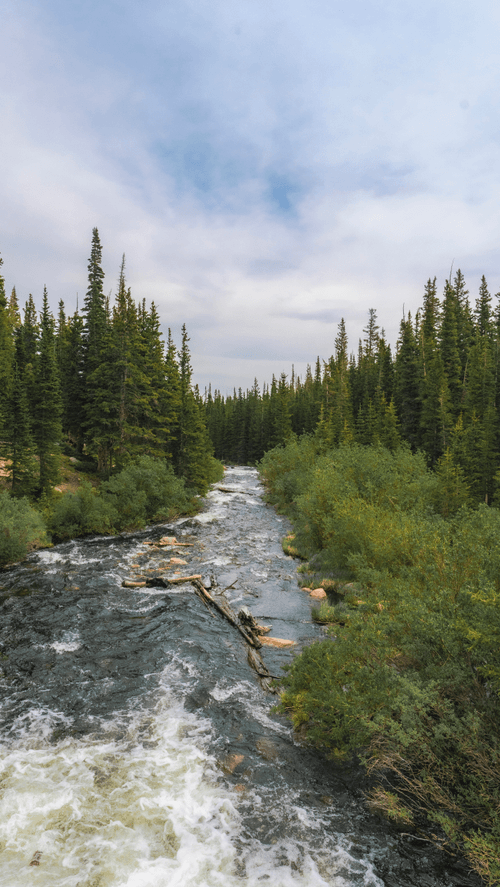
(144,491)
(21,528)
(411,680)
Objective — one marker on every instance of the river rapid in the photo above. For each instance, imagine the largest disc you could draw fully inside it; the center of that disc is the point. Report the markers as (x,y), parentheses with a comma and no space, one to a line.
(137,746)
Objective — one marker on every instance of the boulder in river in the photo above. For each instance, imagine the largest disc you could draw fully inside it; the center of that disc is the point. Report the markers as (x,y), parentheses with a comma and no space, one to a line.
(230,763)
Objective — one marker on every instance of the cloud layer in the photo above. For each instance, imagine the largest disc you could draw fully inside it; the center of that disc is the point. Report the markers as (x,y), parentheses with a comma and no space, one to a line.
(267,168)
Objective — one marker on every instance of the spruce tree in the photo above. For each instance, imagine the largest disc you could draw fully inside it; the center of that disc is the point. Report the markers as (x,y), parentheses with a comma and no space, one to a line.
(31,344)
(99,374)
(47,430)
(407,374)
(21,450)
(6,357)
(153,396)
(172,401)
(194,450)
(450,351)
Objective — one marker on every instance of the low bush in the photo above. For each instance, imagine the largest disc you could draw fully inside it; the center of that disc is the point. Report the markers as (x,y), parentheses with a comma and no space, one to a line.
(146,490)
(81,513)
(21,529)
(327,614)
(409,678)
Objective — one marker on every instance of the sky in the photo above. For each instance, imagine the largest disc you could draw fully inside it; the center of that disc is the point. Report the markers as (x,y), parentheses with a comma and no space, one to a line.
(267,167)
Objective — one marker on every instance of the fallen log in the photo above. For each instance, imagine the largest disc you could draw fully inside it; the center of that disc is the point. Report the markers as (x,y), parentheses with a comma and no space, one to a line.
(247,619)
(169,540)
(226,611)
(158,581)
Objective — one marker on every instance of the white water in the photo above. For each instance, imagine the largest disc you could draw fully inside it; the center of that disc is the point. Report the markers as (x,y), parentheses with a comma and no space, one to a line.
(141,804)
(144,799)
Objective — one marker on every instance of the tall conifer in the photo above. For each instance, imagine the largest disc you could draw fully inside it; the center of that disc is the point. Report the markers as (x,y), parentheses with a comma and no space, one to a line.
(47,430)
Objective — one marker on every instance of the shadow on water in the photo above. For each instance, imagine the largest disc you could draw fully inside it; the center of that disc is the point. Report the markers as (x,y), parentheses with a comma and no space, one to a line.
(139,748)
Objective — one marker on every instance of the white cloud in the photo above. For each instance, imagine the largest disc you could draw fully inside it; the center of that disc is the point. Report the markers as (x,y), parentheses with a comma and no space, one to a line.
(171,127)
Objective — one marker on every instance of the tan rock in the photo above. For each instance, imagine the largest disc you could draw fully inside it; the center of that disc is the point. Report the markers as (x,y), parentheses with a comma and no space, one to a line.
(318,594)
(177,560)
(167,540)
(276,642)
(230,763)
(306,588)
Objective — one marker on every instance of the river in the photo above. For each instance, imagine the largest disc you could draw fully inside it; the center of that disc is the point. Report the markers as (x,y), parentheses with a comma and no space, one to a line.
(137,746)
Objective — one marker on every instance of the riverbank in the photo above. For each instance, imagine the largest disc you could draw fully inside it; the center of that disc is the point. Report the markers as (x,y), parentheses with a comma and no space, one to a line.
(409,674)
(146,491)
(164,740)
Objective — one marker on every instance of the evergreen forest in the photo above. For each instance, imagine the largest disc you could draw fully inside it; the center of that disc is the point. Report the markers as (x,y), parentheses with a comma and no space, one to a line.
(388,466)
(386,462)
(439,392)
(100,390)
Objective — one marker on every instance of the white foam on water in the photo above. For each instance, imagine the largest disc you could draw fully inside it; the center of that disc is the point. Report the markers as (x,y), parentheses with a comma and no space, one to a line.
(49,557)
(143,804)
(69,642)
(139,808)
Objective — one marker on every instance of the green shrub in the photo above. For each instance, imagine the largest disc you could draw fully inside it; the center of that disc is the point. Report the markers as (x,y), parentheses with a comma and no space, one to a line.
(325,614)
(215,470)
(411,678)
(146,490)
(21,528)
(81,513)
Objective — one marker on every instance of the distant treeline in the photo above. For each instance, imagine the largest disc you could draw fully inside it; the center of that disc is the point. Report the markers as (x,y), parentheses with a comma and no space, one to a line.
(439,391)
(99,384)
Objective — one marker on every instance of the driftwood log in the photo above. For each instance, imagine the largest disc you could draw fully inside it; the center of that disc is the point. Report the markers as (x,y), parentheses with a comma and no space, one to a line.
(223,607)
(246,625)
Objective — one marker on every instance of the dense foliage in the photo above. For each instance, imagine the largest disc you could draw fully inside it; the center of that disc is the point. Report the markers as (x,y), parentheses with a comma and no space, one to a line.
(439,392)
(146,490)
(98,383)
(100,387)
(21,527)
(409,676)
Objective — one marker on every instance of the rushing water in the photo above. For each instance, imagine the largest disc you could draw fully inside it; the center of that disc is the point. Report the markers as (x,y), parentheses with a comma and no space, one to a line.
(138,748)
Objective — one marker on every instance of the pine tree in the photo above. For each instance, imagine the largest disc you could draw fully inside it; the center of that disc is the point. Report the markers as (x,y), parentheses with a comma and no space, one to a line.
(407,374)
(21,451)
(99,376)
(449,346)
(6,357)
(47,430)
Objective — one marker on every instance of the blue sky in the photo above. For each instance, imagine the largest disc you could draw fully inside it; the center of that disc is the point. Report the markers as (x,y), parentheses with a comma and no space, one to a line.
(266,167)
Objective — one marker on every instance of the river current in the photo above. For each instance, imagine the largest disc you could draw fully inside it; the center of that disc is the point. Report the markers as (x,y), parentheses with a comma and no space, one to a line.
(138,747)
